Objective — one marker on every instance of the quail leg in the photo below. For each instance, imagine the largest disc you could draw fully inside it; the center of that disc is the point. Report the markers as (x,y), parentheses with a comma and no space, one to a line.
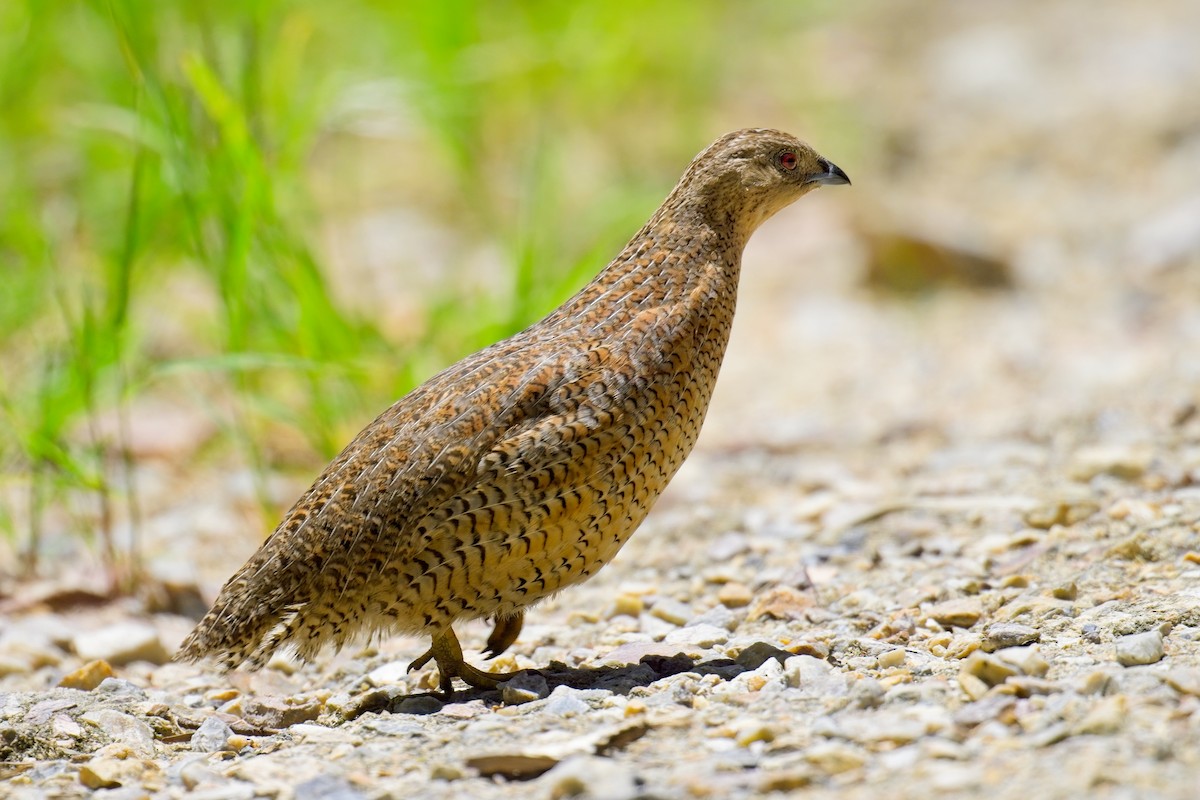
(504,634)
(446,652)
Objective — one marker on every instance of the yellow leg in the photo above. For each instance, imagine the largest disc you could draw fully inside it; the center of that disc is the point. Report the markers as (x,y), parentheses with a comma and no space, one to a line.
(504,634)
(446,652)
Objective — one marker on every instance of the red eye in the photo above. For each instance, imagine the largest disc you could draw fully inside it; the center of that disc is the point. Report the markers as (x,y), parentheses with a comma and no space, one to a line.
(788,160)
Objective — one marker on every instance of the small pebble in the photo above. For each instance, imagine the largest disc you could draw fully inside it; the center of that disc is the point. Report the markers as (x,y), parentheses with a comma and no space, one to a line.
(591,777)
(233,707)
(748,731)
(974,686)
(768,677)
(118,687)
(818,650)
(196,772)
(122,728)
(327,787)
(388,674)
(700,635)
(988,668)
(995,709)
(212,736)
(834,758)
(720,616)
(734,595)
(776,781)
(1140,648)
(814,677)
(446,772)
(1065,591)
(629,604)
(1129,508)
(671,611)
(867,693)
(14,665)
(755,655)
(87,677)
(311,733)
(418,704)
(727,546)
(1107,717)
(524,687)
(1094,682)
(780,602)
(110,773)
(1185,680)
(1028,686)
(963,645)
(961,612)
(62,725)
(565,702)
(1008,634)
(1127,462)
(1027,660)
(280,712)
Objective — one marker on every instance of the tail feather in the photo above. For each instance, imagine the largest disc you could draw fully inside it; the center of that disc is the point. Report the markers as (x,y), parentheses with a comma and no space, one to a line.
(244,625)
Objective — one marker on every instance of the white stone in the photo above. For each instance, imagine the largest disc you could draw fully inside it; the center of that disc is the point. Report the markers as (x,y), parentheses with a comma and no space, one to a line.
(1139,648)
(212,736)
(813,677)
(699,635)
(565,702)
(592,777)
(121,644)
(671,611)
(391,673)
(123,728)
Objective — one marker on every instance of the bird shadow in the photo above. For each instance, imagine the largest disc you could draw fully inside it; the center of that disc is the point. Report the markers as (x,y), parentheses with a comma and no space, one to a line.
(618,679)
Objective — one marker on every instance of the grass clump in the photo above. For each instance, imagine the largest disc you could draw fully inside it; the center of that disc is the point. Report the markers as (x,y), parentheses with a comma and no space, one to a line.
(172,170)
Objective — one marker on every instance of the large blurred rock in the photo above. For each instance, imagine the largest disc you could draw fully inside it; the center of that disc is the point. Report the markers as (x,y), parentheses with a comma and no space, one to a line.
(121,643)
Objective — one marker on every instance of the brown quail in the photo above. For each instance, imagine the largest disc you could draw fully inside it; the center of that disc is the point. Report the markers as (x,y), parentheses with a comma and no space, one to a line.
(523,468)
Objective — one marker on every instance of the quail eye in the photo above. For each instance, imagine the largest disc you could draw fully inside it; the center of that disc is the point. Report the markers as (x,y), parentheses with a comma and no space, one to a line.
(788,160)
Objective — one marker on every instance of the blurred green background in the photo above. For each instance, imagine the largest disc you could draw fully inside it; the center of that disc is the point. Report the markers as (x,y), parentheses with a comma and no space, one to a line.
(288,213)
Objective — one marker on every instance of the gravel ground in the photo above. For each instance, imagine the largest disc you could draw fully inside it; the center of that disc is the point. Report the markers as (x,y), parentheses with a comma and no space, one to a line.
(932,545)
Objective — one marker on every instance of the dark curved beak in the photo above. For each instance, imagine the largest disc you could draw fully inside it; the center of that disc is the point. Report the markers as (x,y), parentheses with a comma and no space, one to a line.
(832,176)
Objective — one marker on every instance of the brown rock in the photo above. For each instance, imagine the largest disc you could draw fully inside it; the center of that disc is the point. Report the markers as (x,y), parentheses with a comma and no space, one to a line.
(734,595)
(780,602)
(958,613)
(277,712)
(87,677)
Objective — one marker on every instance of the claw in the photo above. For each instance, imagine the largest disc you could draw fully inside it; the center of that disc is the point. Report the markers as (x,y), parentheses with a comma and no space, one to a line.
(504,634)
(420,660)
